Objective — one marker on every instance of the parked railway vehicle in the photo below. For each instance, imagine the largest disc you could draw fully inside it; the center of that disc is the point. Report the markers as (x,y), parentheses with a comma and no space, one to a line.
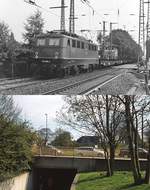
(61,53)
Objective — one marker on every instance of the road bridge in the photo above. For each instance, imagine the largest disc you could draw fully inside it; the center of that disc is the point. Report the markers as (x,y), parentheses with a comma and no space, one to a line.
(62,170)
(83,164)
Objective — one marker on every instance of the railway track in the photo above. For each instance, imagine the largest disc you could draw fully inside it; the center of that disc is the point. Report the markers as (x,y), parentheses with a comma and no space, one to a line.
(89,90)
(10,85)
(81,84)
(10,81)
(97,87)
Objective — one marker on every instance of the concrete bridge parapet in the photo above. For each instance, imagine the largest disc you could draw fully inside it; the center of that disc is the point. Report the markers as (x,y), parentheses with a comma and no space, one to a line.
(83,164)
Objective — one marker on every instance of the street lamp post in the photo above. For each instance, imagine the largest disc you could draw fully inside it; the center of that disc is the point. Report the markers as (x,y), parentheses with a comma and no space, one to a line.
(46,135)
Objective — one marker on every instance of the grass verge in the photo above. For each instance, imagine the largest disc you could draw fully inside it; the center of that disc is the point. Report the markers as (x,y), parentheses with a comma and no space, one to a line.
(98,181)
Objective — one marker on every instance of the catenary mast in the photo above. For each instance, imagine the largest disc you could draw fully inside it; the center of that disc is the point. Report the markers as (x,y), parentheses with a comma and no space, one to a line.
(72,17)
(62,22)
(142,26)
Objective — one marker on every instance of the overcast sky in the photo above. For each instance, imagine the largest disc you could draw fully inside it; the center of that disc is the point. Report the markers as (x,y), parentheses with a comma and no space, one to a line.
(35,107)
(15,12)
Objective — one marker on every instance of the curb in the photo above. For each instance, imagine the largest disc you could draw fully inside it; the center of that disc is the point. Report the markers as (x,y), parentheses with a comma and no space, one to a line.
(73,186)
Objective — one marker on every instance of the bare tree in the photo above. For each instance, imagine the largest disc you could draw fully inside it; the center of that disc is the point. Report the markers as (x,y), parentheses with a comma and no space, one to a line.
(97,115)
(8,109)
(133,107)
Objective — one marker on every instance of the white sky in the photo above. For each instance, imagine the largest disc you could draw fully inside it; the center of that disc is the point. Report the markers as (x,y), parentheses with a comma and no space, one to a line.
(15,13)
(35,107)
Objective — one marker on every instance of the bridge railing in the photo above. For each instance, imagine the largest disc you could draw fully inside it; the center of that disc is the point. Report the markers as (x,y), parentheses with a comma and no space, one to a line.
(69,151)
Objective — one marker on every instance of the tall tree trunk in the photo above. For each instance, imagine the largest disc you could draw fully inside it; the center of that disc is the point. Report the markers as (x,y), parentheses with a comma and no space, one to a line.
(109,173)
(142,130)
(137,177)
(136,137)
(147,176)
(112,158)
(108,168)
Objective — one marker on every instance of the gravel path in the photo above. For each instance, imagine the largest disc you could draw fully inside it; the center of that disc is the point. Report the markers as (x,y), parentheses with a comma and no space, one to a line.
(123,85)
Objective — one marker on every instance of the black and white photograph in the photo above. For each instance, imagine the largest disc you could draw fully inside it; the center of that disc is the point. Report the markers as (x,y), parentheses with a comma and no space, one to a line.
(74,47)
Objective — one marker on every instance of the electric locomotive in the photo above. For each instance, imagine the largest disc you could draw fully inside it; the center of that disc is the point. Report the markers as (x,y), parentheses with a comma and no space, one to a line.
(62,53)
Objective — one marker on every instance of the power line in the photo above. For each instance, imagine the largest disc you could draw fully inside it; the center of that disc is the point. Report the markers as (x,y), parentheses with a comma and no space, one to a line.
(44,9)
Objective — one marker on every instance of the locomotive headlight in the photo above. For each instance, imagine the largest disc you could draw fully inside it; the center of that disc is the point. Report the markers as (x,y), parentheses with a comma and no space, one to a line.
(36,55)
(56,54)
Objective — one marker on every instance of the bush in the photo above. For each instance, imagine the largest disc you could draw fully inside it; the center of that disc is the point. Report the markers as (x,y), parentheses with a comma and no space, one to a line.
(15,148)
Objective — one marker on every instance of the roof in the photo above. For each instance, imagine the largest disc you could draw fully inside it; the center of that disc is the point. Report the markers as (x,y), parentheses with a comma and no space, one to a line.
(56,33)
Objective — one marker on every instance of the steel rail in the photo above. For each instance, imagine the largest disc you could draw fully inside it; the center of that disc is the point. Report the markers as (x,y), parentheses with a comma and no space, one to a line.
(70,86)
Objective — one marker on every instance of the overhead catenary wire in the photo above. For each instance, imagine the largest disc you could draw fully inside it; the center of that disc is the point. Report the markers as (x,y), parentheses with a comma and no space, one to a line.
(44,9)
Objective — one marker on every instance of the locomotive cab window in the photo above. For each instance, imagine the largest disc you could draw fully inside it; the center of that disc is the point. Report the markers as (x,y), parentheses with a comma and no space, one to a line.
(41,42)
(54,42)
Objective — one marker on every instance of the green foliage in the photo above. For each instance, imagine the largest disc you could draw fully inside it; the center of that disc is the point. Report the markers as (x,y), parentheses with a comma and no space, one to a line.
(16,140)
(8,44)
(15,148)
(63,138)
(98,181)
(8,110)
(33,27)
(4,35)
(128,48)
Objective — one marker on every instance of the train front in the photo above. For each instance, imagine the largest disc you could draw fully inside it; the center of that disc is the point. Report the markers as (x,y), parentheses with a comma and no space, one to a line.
(48,54)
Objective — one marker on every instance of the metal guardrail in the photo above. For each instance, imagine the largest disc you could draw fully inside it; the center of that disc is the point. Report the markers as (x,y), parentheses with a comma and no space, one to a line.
(79,152)
(69,151)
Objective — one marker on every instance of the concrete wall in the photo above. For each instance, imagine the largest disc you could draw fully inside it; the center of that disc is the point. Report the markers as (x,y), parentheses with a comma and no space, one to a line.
(83,164)
(22,182)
